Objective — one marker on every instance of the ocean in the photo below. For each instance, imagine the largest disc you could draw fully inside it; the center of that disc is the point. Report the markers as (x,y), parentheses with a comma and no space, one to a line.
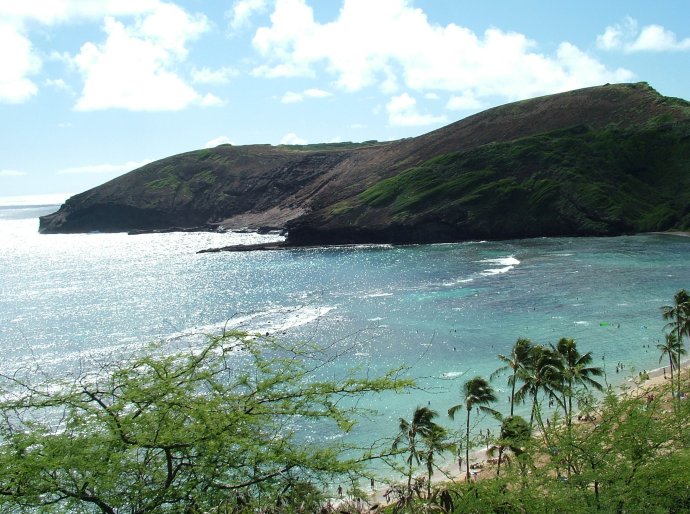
(73,301)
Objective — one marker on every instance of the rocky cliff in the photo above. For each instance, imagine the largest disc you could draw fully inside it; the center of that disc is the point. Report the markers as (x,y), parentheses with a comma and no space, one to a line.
(597,161)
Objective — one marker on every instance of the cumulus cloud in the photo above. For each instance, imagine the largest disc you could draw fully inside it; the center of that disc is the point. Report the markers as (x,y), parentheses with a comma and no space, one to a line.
(369,44)
(402,111)
(104,168)
(17,63)
(463,101)
(12,173)
(292,139)
(316,93)
(220,140)
(134,68)
(59,11)
(243,10)
(292,97)
(628,37)
(210,100)
(217,76)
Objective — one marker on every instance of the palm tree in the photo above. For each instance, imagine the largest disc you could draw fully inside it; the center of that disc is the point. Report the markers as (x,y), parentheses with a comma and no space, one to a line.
(673,350)
(515,361)
(435,442)
(514,435)
(540,374)
(575,370)
(422,425)
(679,316)
(477,392)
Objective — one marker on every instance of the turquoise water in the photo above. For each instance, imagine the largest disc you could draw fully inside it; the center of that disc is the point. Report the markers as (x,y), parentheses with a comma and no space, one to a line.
(445,310)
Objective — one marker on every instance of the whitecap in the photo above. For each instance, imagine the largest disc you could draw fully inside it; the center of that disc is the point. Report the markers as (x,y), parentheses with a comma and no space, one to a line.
(581,322)
(496,271)
(505,261)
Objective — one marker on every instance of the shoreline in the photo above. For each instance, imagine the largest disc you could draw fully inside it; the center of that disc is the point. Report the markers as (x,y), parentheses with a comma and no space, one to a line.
(450,472)
(286,245)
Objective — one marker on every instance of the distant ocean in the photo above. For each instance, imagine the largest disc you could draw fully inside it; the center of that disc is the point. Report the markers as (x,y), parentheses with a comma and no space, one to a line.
(445,310)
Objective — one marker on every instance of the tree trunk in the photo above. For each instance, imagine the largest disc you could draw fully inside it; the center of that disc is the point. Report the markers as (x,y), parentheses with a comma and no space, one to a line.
(670,361)
(680,345)
(467,445)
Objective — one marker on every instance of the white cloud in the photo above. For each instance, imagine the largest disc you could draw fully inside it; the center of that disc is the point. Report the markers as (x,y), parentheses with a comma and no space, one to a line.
(104,168)
(628,37)
(50,12)
(210,100)
(292,139)
(370,43)
(291,97)
(402,111)
(243,10)
(59,84)
(217,76)
(17,63)
(317,93)
(11,173)
(463,101)
(220,140)
(655,38)
(134,68)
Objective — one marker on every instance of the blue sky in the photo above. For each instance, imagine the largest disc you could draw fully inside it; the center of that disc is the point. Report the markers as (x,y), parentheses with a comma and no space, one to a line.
(92,89)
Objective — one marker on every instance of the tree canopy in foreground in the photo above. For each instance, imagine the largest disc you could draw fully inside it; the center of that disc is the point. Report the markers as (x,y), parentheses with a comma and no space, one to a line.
(180,433)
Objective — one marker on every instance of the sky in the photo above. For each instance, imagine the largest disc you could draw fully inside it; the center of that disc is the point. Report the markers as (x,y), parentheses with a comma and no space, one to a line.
(91,89)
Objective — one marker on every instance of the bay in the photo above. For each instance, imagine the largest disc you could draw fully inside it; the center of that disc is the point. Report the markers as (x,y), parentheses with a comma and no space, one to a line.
(70,302)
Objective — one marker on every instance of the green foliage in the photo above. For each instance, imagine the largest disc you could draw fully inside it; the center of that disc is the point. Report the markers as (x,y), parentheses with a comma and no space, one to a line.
(341,208)
(575,180)
(633,458)
(208,177)
(181,433)
(168,182)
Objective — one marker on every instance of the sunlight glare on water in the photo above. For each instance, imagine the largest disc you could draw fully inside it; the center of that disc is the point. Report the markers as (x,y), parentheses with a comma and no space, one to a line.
(445,310)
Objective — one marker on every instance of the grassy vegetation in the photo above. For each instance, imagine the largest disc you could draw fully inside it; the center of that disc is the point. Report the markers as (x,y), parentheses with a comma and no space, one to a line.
(576,180)
(169,182)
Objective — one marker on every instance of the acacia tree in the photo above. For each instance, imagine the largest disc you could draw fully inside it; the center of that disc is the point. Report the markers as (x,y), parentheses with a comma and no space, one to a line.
(476,392)
(177,433)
